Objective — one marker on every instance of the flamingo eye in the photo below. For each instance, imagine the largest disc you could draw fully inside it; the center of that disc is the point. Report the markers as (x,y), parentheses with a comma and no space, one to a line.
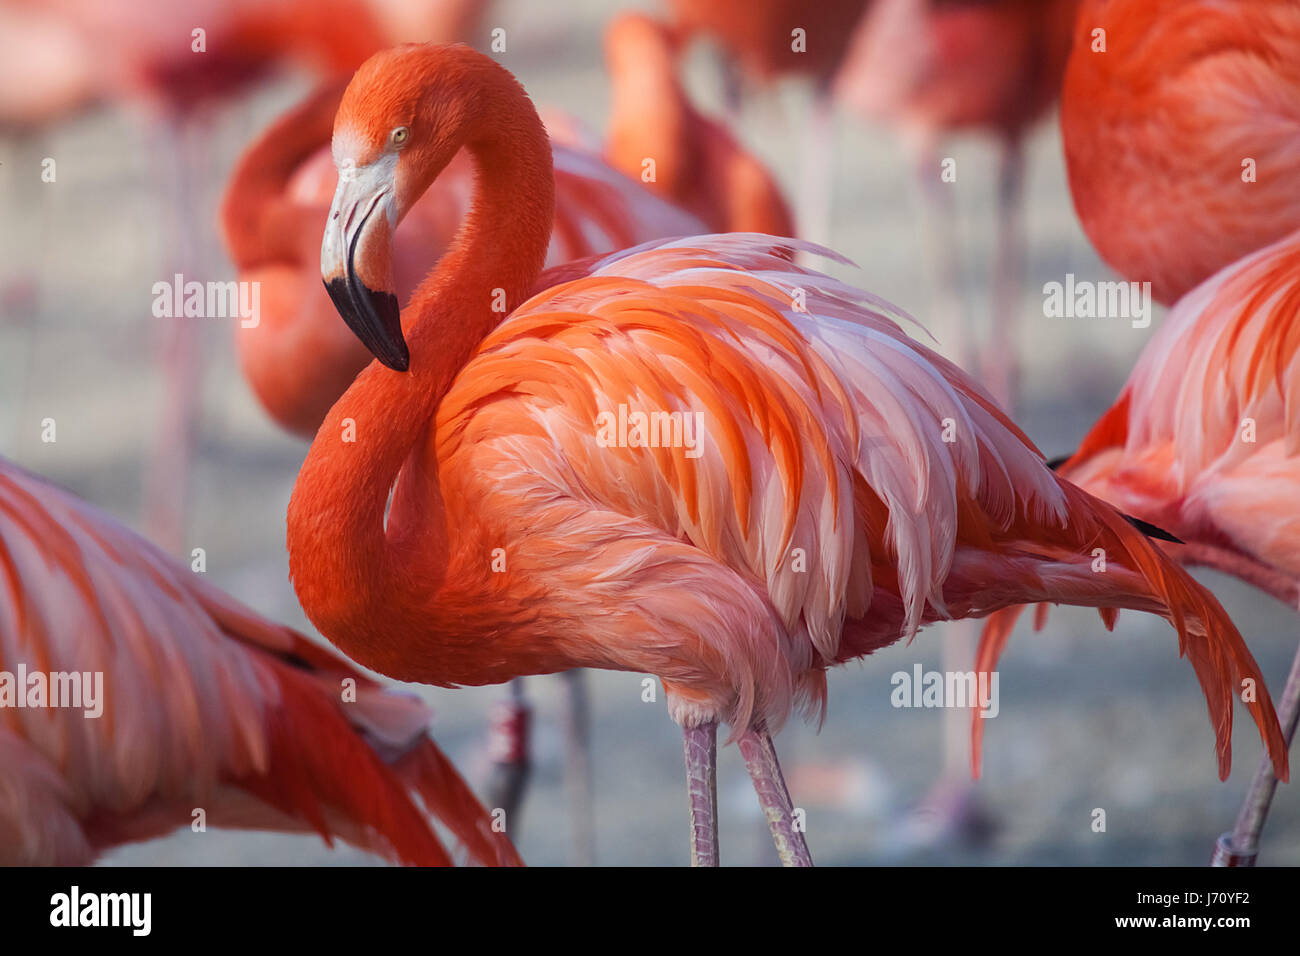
(398,137)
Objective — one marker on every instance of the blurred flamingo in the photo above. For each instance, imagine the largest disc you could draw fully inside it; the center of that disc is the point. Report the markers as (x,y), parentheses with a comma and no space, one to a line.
(933,69)
(205,705)
(299,358)
(1181,123)
(1182,136)
(1204,440)
(766,40)
(699,165)
(179,61)
(823,518)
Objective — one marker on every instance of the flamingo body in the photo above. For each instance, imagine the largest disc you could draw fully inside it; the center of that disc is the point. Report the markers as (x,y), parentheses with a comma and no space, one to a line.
(1205,436)
(1159,127)
(759,34)
(952,66)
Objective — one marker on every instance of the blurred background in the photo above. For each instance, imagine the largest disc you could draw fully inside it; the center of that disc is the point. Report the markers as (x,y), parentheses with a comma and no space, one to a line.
(1088,719)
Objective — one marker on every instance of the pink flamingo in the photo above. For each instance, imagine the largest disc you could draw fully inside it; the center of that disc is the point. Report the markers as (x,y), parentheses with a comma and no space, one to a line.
(204,705)
(1204,440)
(768,40)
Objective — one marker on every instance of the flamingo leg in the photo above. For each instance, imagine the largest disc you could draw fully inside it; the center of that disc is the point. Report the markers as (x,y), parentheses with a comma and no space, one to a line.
(939,223)
(1000,366)
(765,771)
(1241,846)
(701,747)
(950,806)
(167,478)
(577,725)
(817,174)
(509,752)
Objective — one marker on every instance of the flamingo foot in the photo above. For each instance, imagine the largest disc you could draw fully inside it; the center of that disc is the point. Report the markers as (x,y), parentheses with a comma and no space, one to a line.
(701,747)
(765,771)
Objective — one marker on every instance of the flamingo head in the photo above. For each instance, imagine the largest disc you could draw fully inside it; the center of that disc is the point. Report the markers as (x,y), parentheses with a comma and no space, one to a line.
(402,119)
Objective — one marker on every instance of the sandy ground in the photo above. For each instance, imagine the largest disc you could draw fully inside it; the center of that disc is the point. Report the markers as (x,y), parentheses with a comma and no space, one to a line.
(1088,719)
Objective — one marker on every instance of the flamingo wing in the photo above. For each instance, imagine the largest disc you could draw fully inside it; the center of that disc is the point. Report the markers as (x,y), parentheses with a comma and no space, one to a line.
(205,705)
(847,485)
(1206,433)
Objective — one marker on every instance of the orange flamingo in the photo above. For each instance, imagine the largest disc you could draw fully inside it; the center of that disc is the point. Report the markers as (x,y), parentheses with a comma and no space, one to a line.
(202,704)
(766,40)
(1181,135)
(814,514)
(760,35)
(698,163)
(299,358)
(1204,440)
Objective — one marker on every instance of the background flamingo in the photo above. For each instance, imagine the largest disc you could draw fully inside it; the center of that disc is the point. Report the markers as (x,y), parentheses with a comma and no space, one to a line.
(1190,92)
(934,69)
(1204,440)
(300,358)
(205,705)
(698,163)
(821,434)
(758,38)
(146,53)
(1160,127)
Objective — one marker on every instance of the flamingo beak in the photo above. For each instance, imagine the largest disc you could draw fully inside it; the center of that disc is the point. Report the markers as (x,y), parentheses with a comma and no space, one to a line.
(356,260)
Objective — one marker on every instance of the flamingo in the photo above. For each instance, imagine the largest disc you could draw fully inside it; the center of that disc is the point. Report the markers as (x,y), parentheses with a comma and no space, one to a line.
(485,525)
(147,52)
(936,69)
(1204,440)
(768,40)
(1182,135)
(299,358)
(758,34)
(204,705)
(698,163)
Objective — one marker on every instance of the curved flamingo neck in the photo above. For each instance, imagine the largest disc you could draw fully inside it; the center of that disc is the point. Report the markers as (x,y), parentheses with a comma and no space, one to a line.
(372,589)
(253,208)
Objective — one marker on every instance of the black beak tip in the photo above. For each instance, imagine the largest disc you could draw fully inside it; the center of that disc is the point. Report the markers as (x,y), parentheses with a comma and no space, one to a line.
(375,319)
(398,359)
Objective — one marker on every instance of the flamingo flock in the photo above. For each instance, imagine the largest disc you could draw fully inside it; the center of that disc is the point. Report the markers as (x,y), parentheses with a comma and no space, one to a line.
(581,403)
